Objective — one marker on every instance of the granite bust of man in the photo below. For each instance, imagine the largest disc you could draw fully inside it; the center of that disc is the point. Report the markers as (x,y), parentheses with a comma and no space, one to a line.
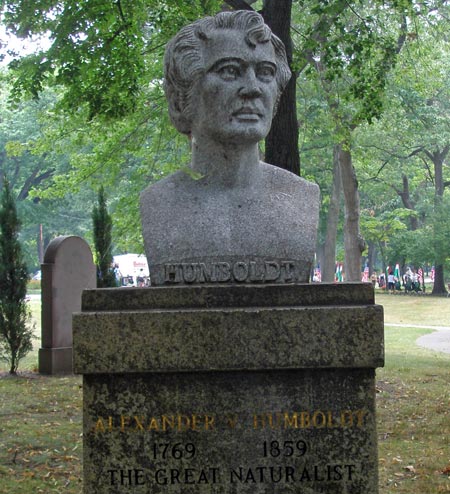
(235,218)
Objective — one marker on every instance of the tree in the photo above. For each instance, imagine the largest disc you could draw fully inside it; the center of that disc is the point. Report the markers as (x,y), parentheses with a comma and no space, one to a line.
(282,142)
(411,144)
(34,159)
(352,61)
(107,58)
(102,223)
(329,255)
(16,333)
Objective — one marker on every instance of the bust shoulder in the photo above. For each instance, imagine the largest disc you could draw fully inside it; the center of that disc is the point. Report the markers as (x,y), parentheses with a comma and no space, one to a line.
(272,178)
(284,177)
(170,182)
(166,193)
(284,181)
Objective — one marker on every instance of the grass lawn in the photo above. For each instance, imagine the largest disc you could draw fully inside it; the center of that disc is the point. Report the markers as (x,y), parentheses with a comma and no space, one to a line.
(40,428)
(413,400)
(415,309)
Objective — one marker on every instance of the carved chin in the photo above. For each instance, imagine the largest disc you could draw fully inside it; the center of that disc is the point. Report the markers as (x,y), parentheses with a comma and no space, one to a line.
(256,131)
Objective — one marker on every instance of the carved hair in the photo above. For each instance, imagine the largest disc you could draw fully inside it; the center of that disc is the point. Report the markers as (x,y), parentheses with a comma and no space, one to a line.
(184,64)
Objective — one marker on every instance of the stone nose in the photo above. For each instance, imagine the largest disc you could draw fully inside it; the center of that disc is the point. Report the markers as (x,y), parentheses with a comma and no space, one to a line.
(250,85)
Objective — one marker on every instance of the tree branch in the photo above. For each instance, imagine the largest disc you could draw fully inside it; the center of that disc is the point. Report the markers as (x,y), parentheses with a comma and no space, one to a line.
(444,152)
(32,180)
(322,25)
(427,167)
(380,170)
(403,32)
(394,155)
(119,6)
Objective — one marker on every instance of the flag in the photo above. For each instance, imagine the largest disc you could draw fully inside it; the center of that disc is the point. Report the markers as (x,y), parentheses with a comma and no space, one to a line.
(338,276)
(420,275)
(317,273)
(397,272)
(365,277)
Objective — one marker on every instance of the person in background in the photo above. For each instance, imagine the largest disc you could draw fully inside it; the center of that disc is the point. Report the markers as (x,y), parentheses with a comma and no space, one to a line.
(391,282)
(373,279)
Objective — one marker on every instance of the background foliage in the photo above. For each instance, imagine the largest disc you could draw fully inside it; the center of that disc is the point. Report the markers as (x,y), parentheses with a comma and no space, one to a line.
(89,111)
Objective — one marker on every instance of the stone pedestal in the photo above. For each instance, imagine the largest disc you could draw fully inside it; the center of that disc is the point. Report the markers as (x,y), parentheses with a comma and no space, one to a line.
(230,389)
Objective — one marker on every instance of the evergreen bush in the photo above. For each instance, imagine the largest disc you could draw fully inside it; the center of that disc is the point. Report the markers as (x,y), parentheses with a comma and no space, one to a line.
(102,224)
(16,331)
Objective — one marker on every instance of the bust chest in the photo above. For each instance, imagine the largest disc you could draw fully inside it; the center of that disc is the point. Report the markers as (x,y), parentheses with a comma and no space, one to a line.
(236,224)
(197,235)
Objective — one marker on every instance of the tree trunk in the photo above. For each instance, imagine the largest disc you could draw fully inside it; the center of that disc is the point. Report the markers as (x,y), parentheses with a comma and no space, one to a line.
(353,242)
(438,160)
(372,256)
(382,249)
(439,282)
(328,268)
(408,202)
(282,141)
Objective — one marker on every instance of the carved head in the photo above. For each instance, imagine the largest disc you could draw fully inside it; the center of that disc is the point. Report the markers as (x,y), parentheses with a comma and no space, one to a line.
(184,63)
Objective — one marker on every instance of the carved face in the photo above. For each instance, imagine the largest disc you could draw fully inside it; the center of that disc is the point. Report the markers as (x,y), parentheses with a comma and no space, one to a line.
(235,98)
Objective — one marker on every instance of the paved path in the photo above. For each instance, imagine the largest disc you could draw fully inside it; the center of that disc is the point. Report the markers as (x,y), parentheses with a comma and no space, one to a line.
(439,340)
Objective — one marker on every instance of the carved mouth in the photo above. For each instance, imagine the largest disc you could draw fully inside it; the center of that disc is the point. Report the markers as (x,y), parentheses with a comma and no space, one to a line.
(247,113)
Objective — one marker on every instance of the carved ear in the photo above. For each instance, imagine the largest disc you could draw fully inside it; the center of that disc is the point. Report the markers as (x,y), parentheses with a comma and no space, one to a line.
(174,107)
(178,116)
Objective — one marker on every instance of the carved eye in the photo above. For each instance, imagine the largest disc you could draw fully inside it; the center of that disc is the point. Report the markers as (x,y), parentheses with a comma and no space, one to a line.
(265,72)
(229,72)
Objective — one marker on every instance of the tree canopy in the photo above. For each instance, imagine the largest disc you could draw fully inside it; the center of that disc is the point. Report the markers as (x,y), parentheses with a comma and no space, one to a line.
(371,80)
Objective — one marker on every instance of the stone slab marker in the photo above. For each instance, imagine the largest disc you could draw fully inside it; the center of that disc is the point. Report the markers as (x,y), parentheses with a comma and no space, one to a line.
(67,270)
(230,389)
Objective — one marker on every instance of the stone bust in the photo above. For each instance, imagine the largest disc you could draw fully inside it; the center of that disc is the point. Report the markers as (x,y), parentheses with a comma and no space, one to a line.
(234,218)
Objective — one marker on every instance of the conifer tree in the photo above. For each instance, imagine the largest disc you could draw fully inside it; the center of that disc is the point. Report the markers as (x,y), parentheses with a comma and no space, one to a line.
(102,223)
(16,332)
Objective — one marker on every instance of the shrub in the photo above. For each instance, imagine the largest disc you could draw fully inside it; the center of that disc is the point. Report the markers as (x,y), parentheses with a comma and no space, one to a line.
(16,333)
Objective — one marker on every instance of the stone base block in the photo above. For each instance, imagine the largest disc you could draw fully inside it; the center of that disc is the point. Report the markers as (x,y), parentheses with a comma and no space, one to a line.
(306,431)
(230,389)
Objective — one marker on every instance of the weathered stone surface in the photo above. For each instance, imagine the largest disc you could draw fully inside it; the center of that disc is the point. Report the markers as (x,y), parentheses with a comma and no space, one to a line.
(220,296)
(202,235)
(240,390)
(228,217)
(67,270)
(256,432)
(225,339)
